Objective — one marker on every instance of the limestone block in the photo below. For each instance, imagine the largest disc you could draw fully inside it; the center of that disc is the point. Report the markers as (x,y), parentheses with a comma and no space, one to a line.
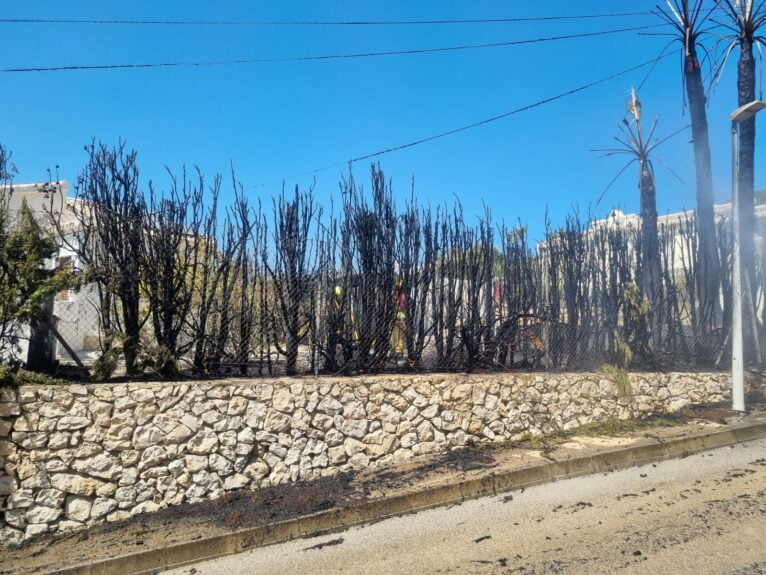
(75,484)
(78,508)
(330,406)
(356,428)
(102,506)
(236,481)
(204,442)
(102,466)
(70,422)
(42,514)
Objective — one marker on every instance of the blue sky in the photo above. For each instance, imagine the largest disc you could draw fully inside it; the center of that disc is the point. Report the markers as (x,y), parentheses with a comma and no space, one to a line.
(276,120)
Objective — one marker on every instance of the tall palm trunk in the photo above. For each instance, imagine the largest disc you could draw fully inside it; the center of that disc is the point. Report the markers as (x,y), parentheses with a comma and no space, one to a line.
(746,94)
(748,17)
(650,278)
(650,245)
(688,18)
(708,278)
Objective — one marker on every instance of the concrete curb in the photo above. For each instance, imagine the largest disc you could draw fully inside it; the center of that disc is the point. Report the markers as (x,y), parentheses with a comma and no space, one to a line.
(488,483)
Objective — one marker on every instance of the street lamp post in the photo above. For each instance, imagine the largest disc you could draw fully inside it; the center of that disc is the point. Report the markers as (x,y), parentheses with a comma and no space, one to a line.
(737,352)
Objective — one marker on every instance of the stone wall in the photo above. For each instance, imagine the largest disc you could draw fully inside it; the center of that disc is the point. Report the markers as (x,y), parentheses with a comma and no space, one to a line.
(72,456)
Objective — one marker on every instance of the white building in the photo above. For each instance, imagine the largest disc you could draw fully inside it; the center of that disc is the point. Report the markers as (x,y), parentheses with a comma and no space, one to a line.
(621,220)
(722,214)
(75,312)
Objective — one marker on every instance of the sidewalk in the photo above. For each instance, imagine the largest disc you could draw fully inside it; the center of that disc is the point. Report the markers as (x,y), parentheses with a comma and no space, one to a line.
(242,520)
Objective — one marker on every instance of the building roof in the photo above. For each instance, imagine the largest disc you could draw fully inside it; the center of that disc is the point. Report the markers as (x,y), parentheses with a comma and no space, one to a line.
(44,199)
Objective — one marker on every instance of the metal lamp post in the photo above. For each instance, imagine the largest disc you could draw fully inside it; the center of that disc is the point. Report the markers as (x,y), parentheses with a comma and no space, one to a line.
(737,360)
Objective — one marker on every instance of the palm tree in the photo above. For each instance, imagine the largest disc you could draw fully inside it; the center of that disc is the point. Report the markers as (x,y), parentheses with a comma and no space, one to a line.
(688,19)
(640,146)
(747,18)
(650,245)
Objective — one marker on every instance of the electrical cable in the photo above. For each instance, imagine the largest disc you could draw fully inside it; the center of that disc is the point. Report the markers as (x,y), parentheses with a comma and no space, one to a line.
(146,22)
(511,113)
(483,122)
(327,56)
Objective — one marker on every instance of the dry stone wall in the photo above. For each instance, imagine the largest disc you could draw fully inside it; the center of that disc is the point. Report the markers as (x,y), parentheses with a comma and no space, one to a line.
(72,456)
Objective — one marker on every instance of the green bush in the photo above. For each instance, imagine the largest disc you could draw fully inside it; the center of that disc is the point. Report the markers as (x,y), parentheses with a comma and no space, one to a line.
(105,366)
(10,377)
(619,376)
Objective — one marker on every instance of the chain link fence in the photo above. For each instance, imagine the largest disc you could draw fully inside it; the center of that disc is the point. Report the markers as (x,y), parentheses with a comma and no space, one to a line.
(373,288)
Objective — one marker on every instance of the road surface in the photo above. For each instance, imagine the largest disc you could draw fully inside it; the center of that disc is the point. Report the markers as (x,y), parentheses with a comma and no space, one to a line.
(704,514)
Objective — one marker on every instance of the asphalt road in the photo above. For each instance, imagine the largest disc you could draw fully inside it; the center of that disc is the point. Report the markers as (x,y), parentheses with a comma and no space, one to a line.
(704,514)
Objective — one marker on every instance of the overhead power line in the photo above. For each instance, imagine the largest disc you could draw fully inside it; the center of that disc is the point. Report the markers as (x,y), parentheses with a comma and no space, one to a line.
(425,22)
(479,123)
(325,56)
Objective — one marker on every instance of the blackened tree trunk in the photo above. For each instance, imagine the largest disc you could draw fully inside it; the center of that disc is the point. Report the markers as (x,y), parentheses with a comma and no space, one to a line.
(293,222)
(650,246)
(373,236)
(708,278)
(641,146)
(171,249)
(40,354)
(110,238)
(747,19)
(745,95)
(132,326)
(214,257)
(689,18)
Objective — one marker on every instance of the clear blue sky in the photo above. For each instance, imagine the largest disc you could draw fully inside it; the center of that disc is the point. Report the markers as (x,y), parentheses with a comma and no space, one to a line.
(276,120)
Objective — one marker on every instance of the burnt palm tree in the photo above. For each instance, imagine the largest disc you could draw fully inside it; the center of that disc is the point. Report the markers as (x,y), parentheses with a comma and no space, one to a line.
(746,20)
(640,145)
(688,18)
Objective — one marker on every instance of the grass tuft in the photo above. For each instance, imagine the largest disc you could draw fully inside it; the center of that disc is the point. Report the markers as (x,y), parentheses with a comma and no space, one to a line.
(619,376)
(16,377)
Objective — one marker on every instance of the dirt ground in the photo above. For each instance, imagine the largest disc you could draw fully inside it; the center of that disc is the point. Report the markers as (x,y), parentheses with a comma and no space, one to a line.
(697,515)
(248,509)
